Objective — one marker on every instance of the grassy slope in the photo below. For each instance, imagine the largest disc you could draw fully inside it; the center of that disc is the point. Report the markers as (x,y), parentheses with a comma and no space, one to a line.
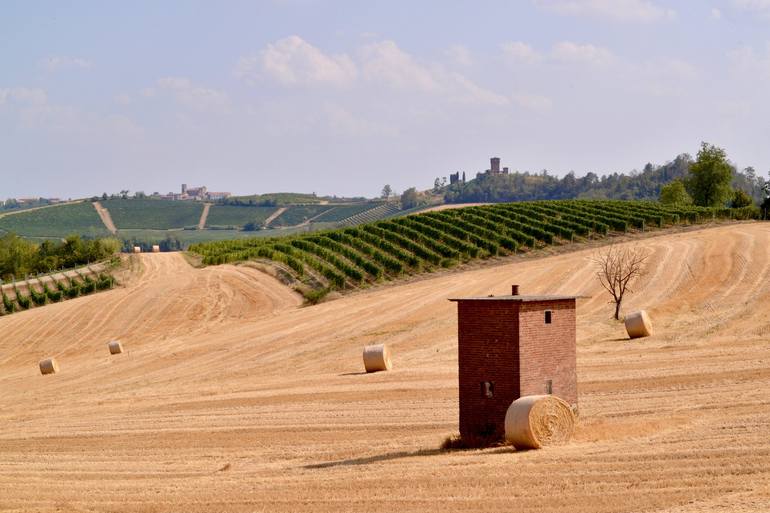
(56,221)
(229,215)
(153,214)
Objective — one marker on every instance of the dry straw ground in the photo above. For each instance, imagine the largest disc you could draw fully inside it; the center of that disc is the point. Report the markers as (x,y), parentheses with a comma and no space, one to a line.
(232,398)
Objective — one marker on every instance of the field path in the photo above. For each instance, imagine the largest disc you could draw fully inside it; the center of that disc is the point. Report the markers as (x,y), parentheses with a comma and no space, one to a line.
(204,216)
(231,398)
(273,216)
(104,215)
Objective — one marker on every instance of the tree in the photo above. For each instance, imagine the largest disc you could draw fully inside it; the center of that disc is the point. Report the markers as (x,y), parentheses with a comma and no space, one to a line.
(765,205)
(741,199)
(710,175)
(616,268)
(387,191)
(674,193)
(409,198)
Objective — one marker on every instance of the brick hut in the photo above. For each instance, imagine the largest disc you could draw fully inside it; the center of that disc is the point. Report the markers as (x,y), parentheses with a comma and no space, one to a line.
(509,347)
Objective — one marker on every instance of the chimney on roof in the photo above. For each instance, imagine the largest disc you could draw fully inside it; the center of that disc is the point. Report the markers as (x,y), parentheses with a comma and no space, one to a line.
(514,290)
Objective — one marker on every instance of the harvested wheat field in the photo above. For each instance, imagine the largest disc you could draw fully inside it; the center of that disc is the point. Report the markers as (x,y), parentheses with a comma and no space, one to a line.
(231,397)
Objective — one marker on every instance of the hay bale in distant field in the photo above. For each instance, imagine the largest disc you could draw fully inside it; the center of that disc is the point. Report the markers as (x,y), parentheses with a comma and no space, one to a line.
(49,366)
(115,347)
(534,421)
(638,324)
(137,249)
(155,248)
(377,358)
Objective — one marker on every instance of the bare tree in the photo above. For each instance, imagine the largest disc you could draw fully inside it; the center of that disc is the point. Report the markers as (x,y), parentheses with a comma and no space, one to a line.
(616,268)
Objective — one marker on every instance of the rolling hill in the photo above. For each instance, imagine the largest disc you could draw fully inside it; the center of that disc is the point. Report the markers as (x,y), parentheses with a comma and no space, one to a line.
(152,221)
(232,397)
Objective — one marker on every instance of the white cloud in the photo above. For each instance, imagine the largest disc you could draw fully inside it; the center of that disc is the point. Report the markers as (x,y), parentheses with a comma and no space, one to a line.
(532,101)
(460,54)
(294,61)
(59,63)
(616,10)
(386,64)
(757,6)
(567,51)
(716,14)
(192,95)
(23,95)
(521,52)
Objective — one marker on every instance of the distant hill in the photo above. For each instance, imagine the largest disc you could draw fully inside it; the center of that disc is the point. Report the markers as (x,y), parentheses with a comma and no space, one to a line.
(177,224)
(637,185)
(518,186)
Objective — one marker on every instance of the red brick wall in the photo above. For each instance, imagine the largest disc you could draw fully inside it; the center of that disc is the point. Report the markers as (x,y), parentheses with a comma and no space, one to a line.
(487,351)
(547,351)
(508,343)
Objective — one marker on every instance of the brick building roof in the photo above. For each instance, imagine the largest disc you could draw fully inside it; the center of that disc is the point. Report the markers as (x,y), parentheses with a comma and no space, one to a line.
(522,299)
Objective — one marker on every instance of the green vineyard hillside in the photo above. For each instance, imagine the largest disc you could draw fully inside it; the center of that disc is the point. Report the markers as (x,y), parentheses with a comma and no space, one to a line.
(385,250)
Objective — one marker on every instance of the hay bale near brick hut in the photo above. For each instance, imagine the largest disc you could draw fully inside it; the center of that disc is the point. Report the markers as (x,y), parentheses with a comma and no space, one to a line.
(115,347)
(49,366)
(536,421)
(155,248)
(377,358)
(137,249)
(638,324)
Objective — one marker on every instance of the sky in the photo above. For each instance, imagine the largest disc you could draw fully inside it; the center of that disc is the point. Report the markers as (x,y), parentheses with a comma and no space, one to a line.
(342,97)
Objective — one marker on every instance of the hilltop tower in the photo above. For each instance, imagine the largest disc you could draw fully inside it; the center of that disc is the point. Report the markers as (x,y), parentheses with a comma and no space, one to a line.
(495,165)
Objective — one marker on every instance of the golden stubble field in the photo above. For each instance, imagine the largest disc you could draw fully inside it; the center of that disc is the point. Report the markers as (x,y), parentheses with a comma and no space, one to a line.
(231,397)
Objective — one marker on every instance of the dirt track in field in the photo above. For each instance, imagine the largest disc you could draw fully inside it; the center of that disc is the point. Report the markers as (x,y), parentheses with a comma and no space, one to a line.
(105,216)
(232,398)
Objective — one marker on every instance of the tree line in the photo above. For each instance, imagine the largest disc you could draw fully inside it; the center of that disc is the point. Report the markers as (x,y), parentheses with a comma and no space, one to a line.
(20,257)
(711,169)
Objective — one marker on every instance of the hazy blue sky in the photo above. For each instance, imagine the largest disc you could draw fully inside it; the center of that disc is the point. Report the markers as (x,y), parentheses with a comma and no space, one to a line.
(341,97)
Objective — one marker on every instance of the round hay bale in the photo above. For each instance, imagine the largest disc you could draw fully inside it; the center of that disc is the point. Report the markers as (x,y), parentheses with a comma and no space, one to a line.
(638,324)
(155,248)
(137,249)
(115,347)
(377,358)
(534,421)
(49,366)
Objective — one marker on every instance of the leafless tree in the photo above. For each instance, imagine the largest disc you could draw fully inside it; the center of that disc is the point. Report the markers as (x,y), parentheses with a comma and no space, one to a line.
(616,268)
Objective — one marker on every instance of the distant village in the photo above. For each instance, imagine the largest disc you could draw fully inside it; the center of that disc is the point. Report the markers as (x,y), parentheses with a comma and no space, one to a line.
(194,194)
(186,194)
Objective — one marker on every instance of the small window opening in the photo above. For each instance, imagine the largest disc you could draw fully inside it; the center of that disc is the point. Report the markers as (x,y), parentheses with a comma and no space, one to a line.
(548,317)
(549,387)
(488,389)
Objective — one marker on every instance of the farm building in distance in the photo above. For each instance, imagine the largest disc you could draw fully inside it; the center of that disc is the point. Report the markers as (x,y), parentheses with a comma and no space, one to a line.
(509,347)
(196,194)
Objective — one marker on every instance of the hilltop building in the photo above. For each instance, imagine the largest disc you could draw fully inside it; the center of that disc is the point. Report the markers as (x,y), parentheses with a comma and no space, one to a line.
(196,194)
(494,169)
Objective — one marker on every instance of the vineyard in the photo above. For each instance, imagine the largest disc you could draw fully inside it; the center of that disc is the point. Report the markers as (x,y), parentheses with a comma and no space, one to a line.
(56,221)
(53,289)
(153,213)
(384,250)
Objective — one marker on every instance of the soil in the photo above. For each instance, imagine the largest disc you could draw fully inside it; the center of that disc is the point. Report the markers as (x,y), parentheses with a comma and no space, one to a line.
(231,397)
